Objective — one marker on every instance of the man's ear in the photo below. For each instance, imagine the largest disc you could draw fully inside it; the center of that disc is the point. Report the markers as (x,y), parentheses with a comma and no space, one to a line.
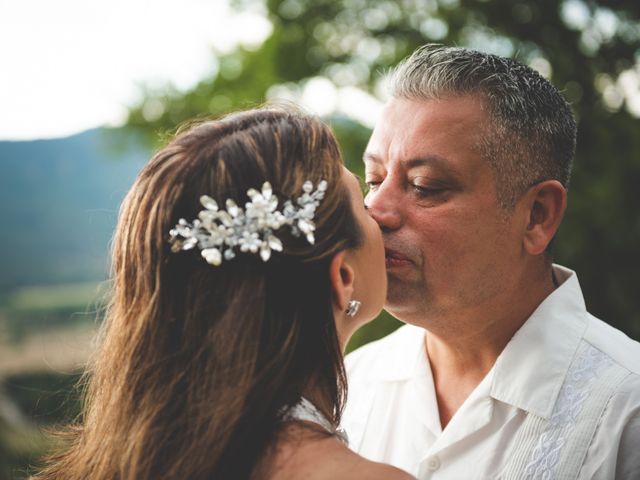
(546,203)
(342,276)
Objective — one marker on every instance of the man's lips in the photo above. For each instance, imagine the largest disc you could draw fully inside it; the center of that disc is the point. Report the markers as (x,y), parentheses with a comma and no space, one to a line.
(394,258)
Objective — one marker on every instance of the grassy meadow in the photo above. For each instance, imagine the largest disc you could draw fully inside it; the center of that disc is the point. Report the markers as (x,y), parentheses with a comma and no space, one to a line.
(46,337)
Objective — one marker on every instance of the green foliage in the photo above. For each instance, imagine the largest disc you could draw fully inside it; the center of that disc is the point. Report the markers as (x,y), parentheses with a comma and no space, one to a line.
(381,326)
(51,298)
(38,308)
(584,44)
(45,398)
(20,447)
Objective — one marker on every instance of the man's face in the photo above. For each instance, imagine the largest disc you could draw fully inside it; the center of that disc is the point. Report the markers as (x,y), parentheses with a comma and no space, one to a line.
(450,249)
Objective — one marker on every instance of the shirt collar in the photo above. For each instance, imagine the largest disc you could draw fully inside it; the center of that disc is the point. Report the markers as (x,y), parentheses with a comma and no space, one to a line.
(404,356)
(531,369)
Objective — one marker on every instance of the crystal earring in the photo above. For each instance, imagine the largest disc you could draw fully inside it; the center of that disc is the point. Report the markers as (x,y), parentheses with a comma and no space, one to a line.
(352,308)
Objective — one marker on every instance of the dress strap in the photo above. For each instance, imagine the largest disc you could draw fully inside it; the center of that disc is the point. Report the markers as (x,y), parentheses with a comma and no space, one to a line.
(306,411)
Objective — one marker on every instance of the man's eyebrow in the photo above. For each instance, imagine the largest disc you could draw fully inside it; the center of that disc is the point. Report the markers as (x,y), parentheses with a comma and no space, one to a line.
(429,160)
(434,161)
(371,157)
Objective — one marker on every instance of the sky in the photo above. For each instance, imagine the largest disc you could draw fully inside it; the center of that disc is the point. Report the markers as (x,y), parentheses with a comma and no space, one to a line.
(71,65)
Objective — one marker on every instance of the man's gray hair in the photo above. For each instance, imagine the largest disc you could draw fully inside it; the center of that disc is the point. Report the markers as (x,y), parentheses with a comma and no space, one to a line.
(531,133)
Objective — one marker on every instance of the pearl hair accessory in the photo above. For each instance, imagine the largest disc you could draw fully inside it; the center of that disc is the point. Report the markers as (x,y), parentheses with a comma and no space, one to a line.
(219,233)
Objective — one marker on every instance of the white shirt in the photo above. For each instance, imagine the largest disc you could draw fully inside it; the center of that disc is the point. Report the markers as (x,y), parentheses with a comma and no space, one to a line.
(561,401)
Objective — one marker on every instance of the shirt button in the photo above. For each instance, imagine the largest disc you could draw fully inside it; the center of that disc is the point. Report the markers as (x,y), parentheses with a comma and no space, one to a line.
(433,464)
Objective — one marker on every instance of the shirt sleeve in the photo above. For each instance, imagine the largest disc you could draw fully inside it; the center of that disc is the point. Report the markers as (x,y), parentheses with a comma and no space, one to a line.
(628,460)
(613,452)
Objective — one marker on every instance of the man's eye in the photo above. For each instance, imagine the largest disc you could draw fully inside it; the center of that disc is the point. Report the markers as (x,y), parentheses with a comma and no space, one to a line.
(372,185)
(425,191)
(426,186)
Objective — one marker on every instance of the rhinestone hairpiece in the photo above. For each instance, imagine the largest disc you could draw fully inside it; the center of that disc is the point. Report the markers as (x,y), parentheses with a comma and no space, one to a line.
(219,233)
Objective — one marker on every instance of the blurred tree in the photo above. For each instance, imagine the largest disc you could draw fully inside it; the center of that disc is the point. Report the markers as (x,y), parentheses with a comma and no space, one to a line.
(590,49)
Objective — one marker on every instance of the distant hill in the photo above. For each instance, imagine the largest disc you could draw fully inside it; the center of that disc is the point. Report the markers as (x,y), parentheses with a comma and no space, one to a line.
(59,201)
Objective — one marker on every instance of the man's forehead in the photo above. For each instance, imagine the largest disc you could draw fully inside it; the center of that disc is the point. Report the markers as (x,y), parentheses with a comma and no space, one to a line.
(426,132)
(451,101)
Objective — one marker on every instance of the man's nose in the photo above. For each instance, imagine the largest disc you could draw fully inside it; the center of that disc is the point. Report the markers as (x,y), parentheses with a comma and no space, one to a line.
(384,205)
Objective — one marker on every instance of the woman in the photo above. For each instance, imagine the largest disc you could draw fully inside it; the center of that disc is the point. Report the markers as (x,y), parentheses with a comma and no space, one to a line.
(243,261)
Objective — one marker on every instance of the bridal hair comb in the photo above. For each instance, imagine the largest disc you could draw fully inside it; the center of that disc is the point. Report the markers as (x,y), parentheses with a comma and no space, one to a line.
(220,233)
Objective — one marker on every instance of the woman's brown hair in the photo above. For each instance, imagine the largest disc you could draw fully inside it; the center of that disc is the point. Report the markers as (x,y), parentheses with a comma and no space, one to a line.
(196,363)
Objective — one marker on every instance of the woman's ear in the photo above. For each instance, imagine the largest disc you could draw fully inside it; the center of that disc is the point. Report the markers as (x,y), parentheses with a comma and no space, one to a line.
(546,203)
(342,277)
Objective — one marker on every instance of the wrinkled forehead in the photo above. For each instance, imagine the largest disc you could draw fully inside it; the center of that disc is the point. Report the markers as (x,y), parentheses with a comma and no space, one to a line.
(449,131)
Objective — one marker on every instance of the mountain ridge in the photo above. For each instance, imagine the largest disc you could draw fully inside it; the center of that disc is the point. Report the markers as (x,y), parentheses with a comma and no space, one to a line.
(59,201)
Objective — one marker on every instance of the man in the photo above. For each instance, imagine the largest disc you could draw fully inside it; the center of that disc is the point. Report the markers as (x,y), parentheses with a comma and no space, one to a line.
(500,372)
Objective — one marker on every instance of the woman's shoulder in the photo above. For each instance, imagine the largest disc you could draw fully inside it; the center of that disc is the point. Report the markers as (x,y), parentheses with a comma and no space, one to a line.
(376,471)
(357,467)
(316,457)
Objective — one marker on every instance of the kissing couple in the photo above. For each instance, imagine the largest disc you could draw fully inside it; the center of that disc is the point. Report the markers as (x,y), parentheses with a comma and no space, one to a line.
(245,257)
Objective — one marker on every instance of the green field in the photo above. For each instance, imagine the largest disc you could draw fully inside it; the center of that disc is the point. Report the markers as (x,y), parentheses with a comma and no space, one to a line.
(34,309)
(42,330)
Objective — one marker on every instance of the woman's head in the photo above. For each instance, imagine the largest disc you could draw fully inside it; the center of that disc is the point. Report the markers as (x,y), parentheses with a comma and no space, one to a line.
(197,361)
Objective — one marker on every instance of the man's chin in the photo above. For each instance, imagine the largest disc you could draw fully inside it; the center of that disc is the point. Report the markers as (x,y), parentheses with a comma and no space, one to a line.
(402,300)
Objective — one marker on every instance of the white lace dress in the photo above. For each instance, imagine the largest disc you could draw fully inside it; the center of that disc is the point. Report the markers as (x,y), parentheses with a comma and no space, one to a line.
(306,411)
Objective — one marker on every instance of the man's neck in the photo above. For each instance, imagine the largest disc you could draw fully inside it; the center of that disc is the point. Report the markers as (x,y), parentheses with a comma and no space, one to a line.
(457,369)
(461,357)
